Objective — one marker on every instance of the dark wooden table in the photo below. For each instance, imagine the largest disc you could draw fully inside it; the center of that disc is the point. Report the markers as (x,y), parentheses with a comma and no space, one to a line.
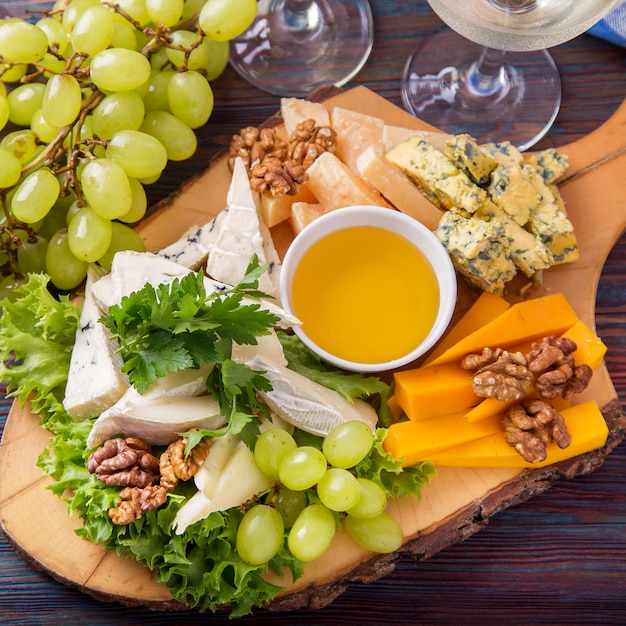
(559,558)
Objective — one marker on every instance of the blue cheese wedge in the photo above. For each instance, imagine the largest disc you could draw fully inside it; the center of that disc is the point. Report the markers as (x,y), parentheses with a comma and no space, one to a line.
(464,151)
(95,380)
(550,163)
(240,237)
(436,175)
(511,190)
(478,250)
(528,252)
(504,153)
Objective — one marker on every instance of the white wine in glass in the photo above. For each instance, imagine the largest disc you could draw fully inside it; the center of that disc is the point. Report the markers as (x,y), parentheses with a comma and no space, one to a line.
(295,46)
(492,76)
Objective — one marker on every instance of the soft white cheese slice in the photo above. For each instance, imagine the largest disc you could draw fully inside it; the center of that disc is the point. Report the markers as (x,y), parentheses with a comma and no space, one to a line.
(268,346)
(228,478)
(239,235)
(172,405)
(307,404)
(193,248)
(95,380)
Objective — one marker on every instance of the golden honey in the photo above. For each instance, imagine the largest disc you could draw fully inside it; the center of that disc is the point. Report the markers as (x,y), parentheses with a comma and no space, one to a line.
(365,294)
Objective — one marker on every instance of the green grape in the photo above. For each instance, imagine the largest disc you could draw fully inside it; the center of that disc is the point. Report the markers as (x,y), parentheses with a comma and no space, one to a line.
(119,69)
(155,97)
(89,235)
(190,98)
(312,533)
(166,12)
(136,9)
(72,12)
(186,39)
(14,73)
(31,255)
(93,30)
(302,468)
(338,489)
(23,101)
(378,534)
(3,90)
(124,36)
(139,203)
(159,60)
(4,111)
(270,449)
(35,196)
(122,238)
(348,443)
(179,140)
(9,285)
(23,144)
(22,42)
(65,270)
(118,111)
(289,504)
(140,154)
(51,65)
(72,209)
(56,218)
(260,534)
(10,169)
(62,100)
(41,128)
(57,36)
(106,188)
(372,502)
(223,20)
(192,7)
(219,52)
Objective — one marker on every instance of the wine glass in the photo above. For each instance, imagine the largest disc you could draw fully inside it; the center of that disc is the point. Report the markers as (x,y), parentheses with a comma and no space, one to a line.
(493,78)
(295,46)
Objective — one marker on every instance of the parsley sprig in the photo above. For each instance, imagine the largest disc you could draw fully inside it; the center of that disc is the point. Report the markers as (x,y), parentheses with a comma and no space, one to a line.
(179,326)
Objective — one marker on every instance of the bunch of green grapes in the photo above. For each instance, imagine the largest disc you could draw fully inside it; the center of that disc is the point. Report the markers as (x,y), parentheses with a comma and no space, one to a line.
(95,98)
(339,497)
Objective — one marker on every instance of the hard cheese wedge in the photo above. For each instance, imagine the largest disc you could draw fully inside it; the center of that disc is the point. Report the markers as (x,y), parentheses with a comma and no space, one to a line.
(414,441)
(584,422)
(525,321)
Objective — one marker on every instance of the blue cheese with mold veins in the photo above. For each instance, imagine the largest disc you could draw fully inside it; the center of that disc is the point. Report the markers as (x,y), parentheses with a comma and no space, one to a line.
(436,175)
(477,250)
(504,152)
(469,157)
(511,190)
(550,163)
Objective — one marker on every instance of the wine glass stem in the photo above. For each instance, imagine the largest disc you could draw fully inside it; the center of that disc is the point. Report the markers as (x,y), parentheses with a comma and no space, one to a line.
(486,77)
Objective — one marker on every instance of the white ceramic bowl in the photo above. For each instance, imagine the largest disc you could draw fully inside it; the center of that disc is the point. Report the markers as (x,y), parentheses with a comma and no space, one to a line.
(397,222)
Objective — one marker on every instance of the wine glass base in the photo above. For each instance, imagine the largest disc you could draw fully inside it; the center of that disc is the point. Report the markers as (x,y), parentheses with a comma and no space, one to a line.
(435,89)
(293,53)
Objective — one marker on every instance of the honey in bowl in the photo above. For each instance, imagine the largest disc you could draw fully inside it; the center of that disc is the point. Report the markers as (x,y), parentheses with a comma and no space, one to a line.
(373,288)
(365,294)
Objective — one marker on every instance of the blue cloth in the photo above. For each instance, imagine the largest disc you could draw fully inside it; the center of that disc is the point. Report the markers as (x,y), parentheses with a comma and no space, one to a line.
(613,26)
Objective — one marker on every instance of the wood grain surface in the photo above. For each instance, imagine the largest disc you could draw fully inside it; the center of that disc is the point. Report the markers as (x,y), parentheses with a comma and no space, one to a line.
(558,558)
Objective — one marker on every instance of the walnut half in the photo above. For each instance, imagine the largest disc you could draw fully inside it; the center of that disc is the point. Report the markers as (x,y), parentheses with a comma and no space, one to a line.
(499,374)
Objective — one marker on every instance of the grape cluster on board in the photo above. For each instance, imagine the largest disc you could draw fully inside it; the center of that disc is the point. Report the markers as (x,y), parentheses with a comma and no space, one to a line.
(95,98)
(317,491)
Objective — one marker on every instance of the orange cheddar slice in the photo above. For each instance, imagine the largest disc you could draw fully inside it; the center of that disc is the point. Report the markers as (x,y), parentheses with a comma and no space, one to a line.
(413,441)
(524,321)
(584,422)
(590,348)
(435,390)
(487,308)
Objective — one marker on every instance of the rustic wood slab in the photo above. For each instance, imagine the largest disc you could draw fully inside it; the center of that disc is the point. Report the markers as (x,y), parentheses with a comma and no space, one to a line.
(455,505)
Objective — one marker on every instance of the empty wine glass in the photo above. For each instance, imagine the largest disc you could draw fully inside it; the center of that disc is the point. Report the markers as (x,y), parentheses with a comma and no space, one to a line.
(494,78)
(295,46)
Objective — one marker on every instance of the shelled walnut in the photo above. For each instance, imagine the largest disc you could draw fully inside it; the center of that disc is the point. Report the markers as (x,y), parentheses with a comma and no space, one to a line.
(499,374)
(129,463)
(532,426)
(553,365)
(276,177)
(308,141)
(253,144)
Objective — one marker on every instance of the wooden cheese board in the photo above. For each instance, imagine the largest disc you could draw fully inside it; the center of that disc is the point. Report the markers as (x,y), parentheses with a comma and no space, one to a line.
(458,502)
